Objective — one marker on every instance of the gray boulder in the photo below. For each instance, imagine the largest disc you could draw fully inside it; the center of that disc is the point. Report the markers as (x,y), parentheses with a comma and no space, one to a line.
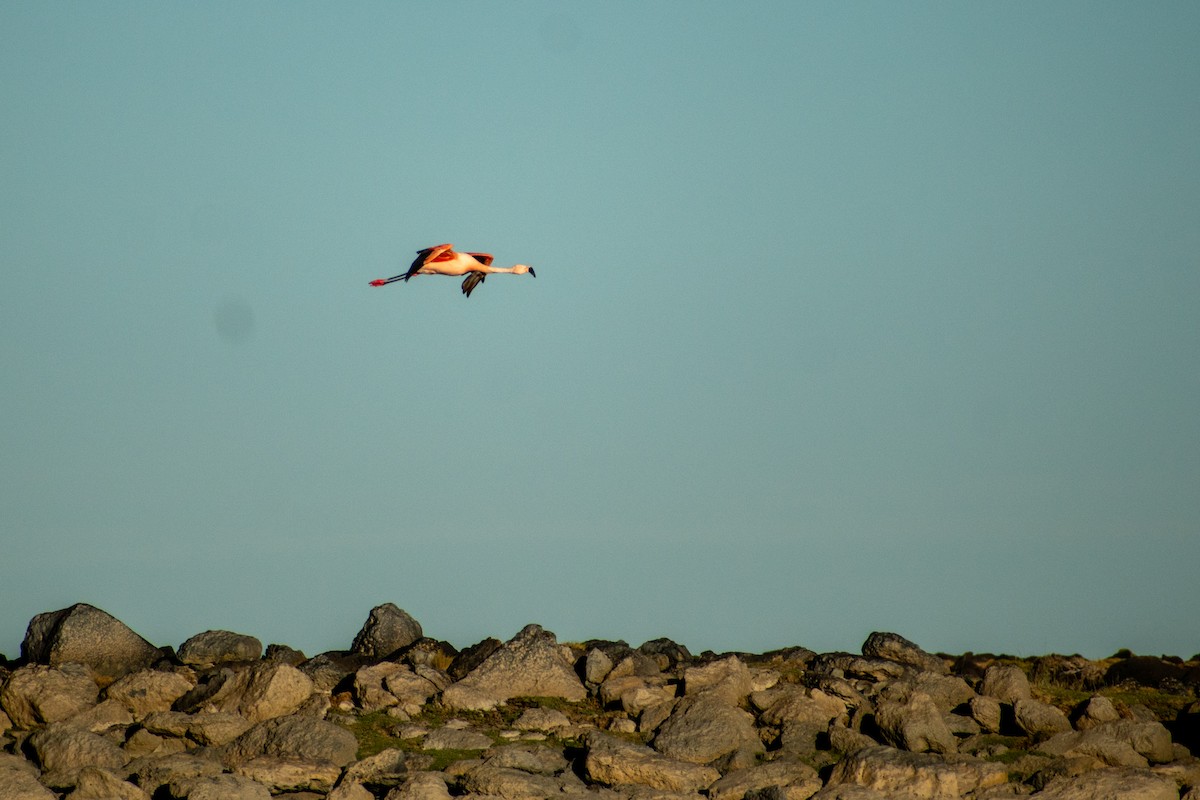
(616,762)
(1039,720)
(63,750)
(488,780)
(218,647)
(915,725)
(789,778)
(84,634)
(266,690)
(1006,683)
(386,630)
(101,784)
(456,739)
(218,787)
(1108,784)
(894,647)
(530,664)
(290,774)
(418,786)
(704,728)
(896,773)
(149,690)
(37,695)
(18,783)
(1094,711)
(299,737)
(153,772)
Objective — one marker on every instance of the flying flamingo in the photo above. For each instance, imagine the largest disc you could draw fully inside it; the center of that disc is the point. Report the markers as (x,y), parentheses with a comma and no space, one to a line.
(443,260)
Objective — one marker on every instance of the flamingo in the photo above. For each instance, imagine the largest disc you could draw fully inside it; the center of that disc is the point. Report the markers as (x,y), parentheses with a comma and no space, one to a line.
(444,260)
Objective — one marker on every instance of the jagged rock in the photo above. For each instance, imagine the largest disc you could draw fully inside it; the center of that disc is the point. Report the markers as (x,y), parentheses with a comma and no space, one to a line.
(894,647)
(541,719)
(514,784)
(1039,720)
(789,702)
(947,691)
(217,728)
(1125,743)
(530,664)
(260,692)
(219,647)
(292,737)
(101,784)
(153,772)
(916,725)
(456,739)
(369,691)
(783,774)
(987,712)
(705,728)
(923,775)
(596,666)
(532,758)
(387,767)
(1105,784)
(21,784)
(351,791)
(728,678)
(634,693)
(665,653)
(328,670)
(851,791)
(616,762)
(413,687)
(847,740)
(36,695)
(104,716)
(84,634)
(218,787)
(1006,683)
(281,652)
(860,667)
(63,750)
(420,786)
(149,690)
(386,630)
(290,774)
(1096,710)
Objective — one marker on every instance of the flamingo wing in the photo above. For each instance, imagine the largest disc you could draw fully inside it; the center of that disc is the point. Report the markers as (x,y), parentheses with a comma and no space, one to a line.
(441,252)
(483,258)
(472,280)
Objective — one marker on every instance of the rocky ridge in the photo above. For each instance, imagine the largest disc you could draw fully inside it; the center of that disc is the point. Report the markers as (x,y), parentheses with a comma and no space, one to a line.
(91,710)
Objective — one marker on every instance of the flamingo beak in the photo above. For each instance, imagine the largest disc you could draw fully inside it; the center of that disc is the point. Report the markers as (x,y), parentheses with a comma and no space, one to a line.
(531,272)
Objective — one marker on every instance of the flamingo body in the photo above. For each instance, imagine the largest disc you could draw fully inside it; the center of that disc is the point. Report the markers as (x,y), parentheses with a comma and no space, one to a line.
(443,259)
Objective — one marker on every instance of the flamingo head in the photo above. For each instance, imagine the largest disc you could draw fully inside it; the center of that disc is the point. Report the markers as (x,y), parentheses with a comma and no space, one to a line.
(521,269)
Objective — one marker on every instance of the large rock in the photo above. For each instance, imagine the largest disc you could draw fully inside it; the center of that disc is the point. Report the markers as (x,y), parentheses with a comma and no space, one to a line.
(63,751)
(488,780)
(20,784)
(386,630)
(266,690)
(896,772)
(149,690)
(616,762)
(1106,784)
(37,695)
(704,728)
(916,725)
(1039,720)
(84,634)
(1006,683)
(101,784)
(218,787)
(728,677)
(305,738)
(782,774)
(896,648)
(531,664)
(789,702)
(218,647)
(153,772)
(290,774)
(1125,743)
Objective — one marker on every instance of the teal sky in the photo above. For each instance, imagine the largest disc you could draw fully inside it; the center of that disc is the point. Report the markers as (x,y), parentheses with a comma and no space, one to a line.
(848,317)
